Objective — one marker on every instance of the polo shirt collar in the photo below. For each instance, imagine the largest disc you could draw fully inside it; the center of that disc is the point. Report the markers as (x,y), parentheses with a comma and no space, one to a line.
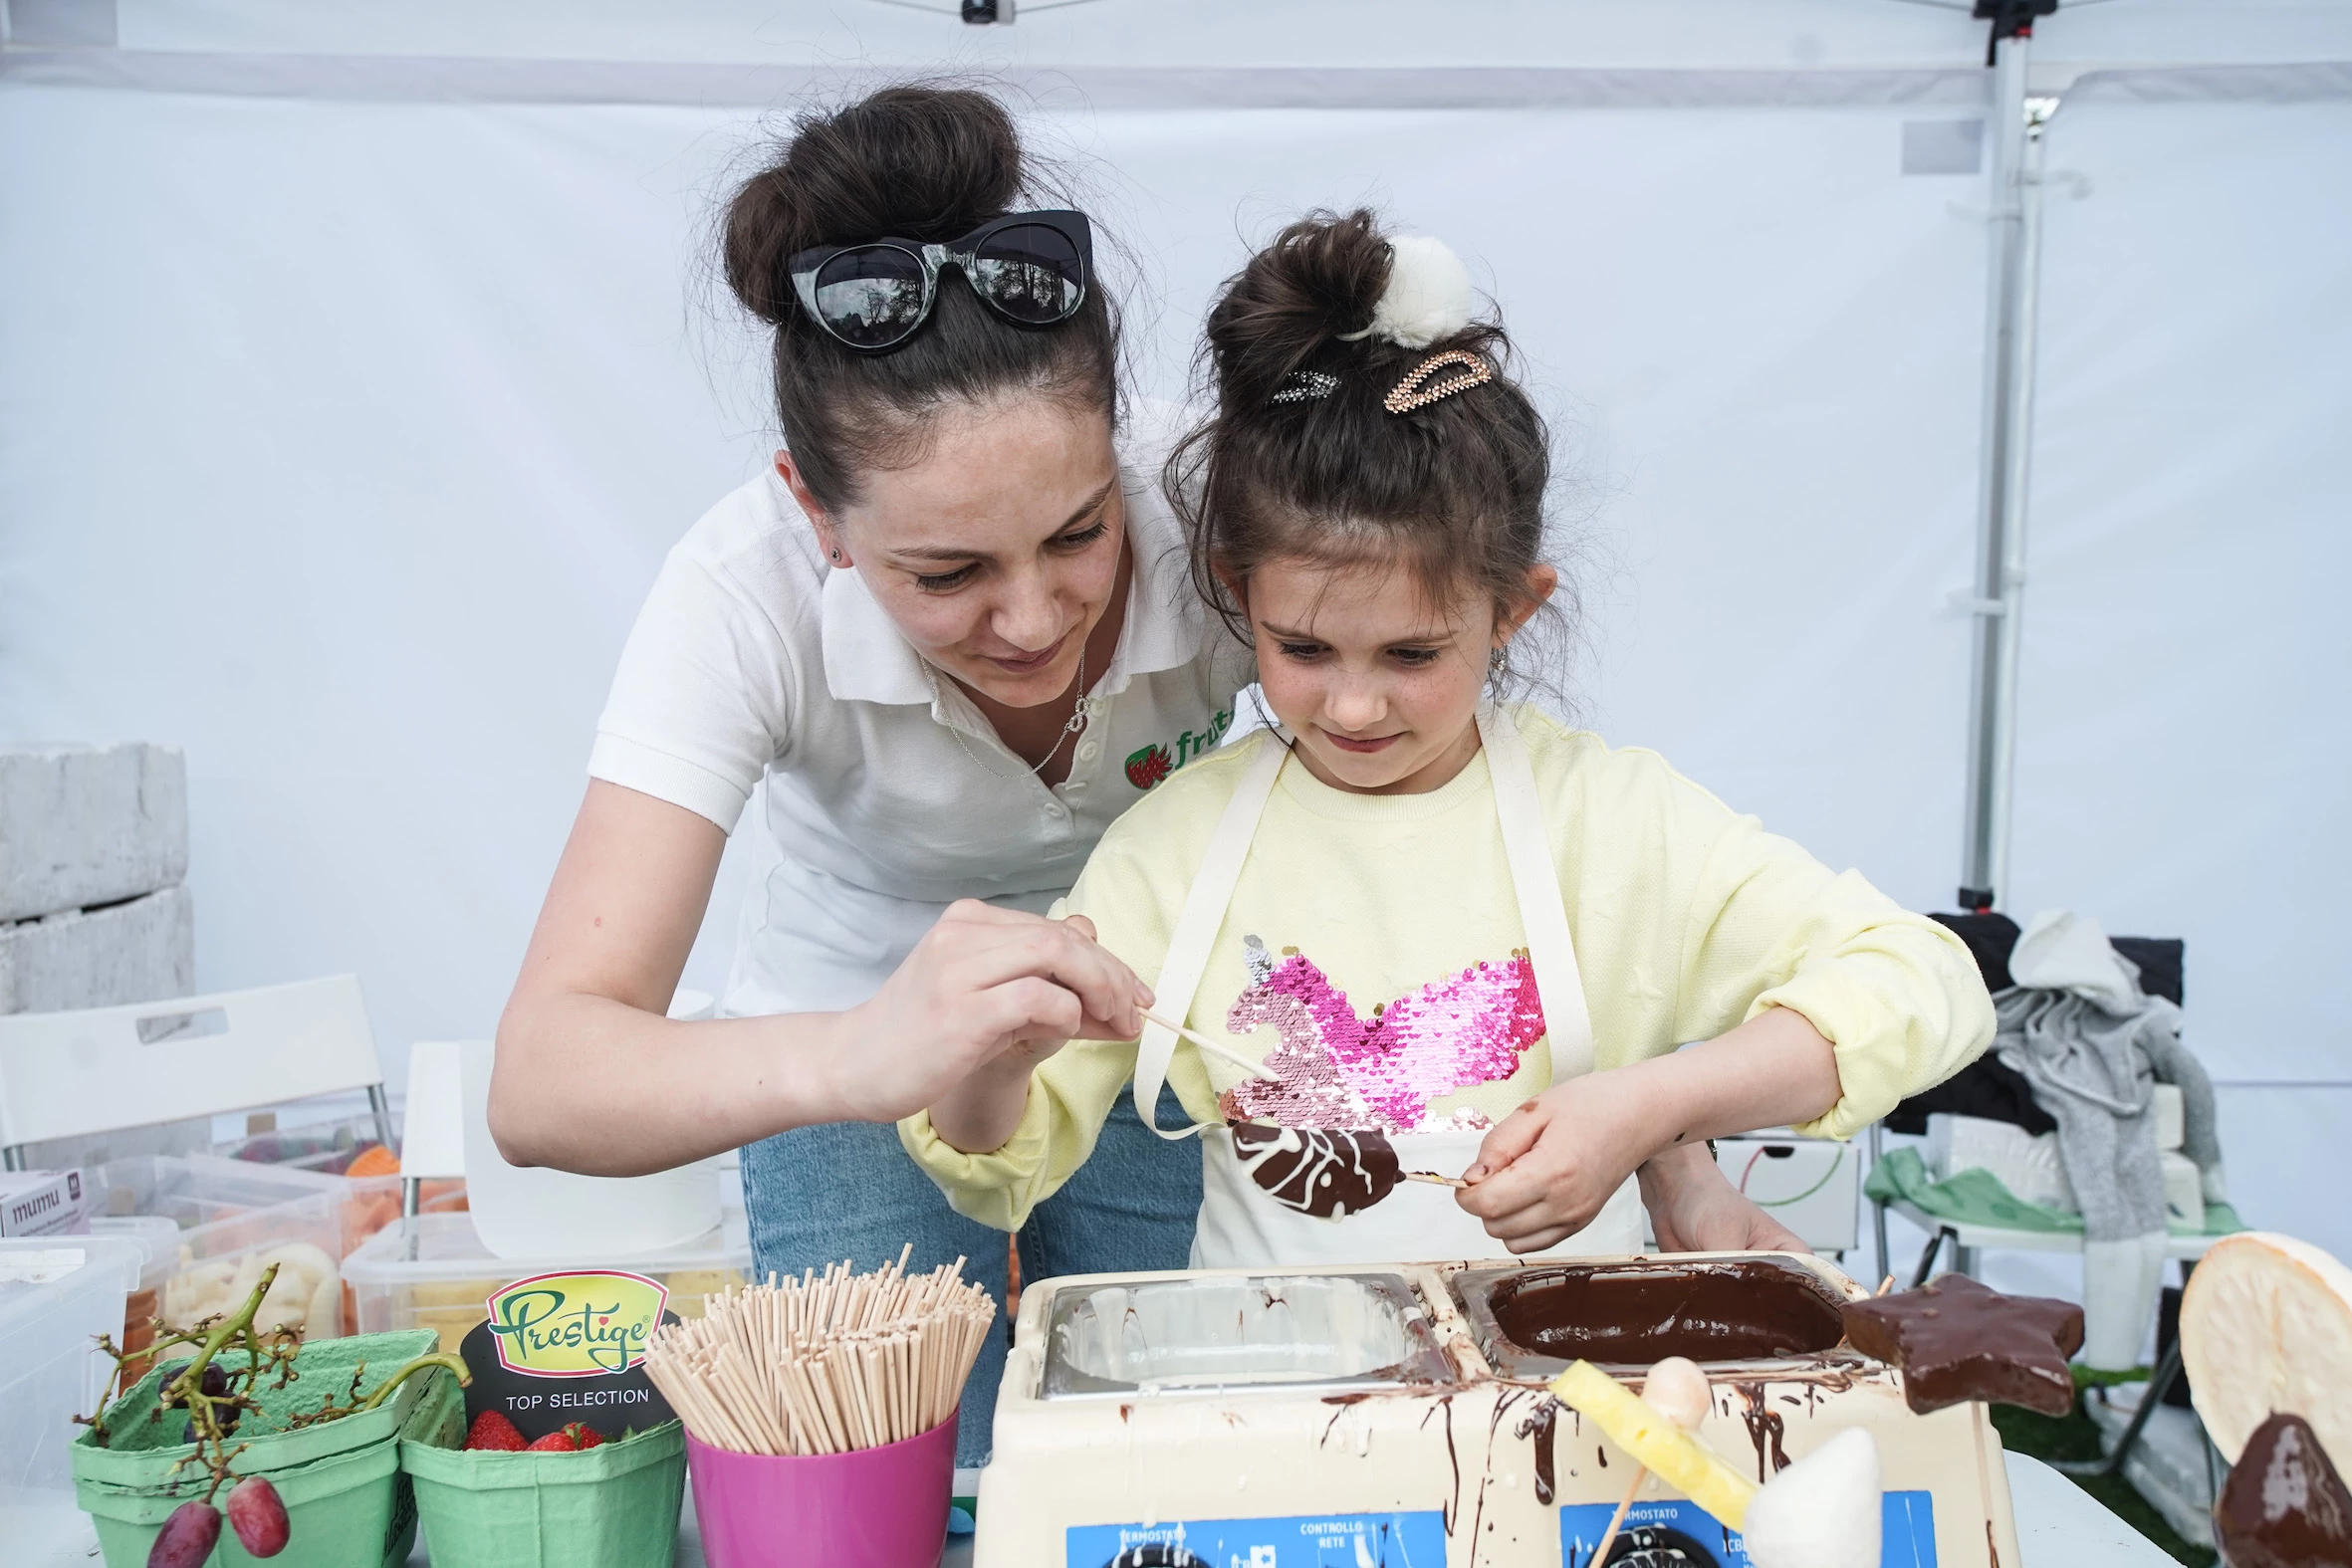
(867,660)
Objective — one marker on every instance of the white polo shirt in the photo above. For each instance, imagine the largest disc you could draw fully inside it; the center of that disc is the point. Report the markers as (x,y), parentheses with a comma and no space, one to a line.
(888,795)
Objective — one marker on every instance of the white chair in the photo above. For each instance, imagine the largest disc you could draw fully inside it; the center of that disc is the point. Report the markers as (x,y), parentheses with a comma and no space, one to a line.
(101,1069)
(432,1144)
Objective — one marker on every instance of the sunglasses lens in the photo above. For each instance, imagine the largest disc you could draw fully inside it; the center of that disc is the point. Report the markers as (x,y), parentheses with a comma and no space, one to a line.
(1029,271)
(871,297)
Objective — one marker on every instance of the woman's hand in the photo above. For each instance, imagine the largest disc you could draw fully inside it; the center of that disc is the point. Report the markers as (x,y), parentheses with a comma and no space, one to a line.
(985,995)
(1548,1167)
(1695,1209)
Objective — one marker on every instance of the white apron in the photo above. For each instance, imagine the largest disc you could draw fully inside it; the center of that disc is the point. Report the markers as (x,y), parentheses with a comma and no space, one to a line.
(1243,1224)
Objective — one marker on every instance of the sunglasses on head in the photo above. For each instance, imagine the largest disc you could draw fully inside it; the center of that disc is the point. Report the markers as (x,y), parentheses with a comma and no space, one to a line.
(1027,267)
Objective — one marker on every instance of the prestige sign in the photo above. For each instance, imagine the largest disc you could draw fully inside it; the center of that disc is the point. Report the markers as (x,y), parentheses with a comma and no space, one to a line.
(581,1325)
(560,1348)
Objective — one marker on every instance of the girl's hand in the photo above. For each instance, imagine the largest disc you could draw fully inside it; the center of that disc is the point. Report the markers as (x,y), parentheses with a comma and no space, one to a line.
(1548,1167)
(1695,1209)
(985,996)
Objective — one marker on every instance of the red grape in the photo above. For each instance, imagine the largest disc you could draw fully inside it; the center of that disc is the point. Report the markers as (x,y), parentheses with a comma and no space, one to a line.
(187,1537)
(257,1516)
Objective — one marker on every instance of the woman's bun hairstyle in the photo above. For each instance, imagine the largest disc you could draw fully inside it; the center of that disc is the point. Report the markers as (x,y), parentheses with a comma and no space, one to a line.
(919,162)
(1455,489)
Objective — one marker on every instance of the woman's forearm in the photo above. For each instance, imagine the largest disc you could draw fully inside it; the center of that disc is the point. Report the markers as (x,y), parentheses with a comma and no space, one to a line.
(589,1084)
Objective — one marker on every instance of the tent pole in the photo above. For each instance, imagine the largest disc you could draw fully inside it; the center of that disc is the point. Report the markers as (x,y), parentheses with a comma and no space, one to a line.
(1998,590)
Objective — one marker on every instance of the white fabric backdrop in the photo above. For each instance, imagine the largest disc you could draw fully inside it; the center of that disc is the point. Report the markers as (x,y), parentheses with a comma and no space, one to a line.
(341,441)
(2183,714)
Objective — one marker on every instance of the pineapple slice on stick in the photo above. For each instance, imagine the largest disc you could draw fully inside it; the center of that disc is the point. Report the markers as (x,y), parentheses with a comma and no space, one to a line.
(1656,1441)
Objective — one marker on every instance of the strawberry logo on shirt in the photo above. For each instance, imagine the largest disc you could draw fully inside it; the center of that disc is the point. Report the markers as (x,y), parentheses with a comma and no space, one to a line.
(1155,761)
(1149,766)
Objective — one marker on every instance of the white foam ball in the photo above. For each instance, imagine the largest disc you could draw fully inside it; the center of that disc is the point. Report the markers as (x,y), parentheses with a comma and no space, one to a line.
(1428,295)
(1823,1511)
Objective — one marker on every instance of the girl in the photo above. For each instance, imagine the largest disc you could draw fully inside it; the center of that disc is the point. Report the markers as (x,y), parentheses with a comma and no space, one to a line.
(1463,940)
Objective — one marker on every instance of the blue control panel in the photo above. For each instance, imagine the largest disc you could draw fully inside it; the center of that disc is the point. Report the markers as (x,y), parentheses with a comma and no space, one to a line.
(1675,1532)
(1313,1540)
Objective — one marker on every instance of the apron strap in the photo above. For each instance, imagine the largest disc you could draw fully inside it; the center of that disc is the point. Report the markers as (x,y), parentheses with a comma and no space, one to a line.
(1535,878)
(1189,945)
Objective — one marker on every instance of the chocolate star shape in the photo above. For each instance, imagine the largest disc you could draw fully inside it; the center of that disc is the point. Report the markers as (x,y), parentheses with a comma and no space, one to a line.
(2284,1505)
(1957,1340)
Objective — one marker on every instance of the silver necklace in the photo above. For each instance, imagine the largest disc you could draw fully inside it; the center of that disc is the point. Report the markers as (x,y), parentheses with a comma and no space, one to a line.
(1076,722)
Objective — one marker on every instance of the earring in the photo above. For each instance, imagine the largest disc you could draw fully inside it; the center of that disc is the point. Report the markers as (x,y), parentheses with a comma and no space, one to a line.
(1495,661)
(836,557)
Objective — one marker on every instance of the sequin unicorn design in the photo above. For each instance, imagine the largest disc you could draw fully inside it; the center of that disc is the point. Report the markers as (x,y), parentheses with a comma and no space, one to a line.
(1341,1070)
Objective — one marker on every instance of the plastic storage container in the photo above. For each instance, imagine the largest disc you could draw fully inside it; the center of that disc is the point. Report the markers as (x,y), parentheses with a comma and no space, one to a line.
(327,1148)
(432,1272)
(237,1218)
(57,1294)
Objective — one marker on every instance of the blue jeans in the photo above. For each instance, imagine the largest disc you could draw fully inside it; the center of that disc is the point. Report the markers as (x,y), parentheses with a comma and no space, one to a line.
(817,1195)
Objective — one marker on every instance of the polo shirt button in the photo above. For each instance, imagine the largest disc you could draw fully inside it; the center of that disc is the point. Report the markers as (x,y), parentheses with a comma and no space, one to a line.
(1089,750)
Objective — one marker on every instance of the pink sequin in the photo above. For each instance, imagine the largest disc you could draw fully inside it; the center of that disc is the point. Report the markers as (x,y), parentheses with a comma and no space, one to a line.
(1341,1070)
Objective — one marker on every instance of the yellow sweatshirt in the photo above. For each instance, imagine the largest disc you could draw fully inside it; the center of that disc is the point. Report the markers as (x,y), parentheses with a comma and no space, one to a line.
(1373,955)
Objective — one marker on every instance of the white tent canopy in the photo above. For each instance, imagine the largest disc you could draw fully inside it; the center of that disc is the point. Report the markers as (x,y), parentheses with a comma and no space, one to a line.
(358,362)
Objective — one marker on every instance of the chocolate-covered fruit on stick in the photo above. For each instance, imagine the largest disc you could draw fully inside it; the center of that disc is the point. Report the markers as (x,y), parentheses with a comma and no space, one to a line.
(2267,1341)
(2284,1505)
(1956,1340)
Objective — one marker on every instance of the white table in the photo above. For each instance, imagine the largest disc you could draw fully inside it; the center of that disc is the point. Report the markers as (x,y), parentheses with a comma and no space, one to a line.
(2059,1525)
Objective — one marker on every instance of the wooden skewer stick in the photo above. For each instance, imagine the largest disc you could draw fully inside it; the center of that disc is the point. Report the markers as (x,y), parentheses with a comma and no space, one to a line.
(1608,1537)
(1432,1176)
(1208,1046)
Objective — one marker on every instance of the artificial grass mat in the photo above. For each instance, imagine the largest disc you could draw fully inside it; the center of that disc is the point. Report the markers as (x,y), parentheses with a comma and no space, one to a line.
(2074,1436)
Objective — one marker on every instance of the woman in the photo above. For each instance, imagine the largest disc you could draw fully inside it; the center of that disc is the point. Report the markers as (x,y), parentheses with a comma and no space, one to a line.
(953,636)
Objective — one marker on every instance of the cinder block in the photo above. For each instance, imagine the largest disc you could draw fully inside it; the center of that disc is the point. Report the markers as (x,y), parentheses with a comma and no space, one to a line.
(82,825)
(137,951)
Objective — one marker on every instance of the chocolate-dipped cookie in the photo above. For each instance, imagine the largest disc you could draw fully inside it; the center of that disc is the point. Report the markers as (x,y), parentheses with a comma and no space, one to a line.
(1957,1340)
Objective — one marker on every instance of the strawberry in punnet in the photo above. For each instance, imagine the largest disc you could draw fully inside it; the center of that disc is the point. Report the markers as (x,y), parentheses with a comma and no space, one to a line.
(554,1442)
(492,1431)
(583,1436)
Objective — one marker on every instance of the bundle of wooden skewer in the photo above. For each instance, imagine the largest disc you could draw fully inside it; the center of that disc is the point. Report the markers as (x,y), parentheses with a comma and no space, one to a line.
(823,1364)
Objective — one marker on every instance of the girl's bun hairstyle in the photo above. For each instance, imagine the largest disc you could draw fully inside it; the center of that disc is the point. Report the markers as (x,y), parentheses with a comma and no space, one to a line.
(918,162)
(1454,490)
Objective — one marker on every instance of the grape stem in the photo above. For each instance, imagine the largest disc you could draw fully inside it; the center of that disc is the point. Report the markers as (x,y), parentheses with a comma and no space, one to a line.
(423,1363)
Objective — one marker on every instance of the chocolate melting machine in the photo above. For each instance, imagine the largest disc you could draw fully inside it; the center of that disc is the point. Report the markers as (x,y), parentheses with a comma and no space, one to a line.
(1398,1418)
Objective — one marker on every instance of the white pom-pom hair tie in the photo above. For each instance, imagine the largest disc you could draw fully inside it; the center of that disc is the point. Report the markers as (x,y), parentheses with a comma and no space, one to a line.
(1427,298)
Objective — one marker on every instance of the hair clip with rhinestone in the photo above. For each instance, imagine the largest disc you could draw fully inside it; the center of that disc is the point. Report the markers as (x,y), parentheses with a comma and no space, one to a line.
(1305,387)
(1415,390)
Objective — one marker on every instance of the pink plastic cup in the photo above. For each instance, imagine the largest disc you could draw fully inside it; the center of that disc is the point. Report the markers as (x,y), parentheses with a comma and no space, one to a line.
(880,1507)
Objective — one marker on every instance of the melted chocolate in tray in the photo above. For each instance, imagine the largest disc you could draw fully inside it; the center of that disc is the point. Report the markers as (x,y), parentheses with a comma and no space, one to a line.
(1745,1309)
(2284,1505)
(1957,1340)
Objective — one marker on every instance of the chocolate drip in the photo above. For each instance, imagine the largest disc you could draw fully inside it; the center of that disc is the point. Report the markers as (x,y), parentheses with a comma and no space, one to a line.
(1318,1172)
(1957,1340)
(1745,1310)
(1764,1428)
(1540,1425)
(2284,1505)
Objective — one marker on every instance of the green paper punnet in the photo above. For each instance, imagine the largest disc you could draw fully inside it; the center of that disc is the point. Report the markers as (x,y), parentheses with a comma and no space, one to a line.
(612,1506)
(347,1503)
